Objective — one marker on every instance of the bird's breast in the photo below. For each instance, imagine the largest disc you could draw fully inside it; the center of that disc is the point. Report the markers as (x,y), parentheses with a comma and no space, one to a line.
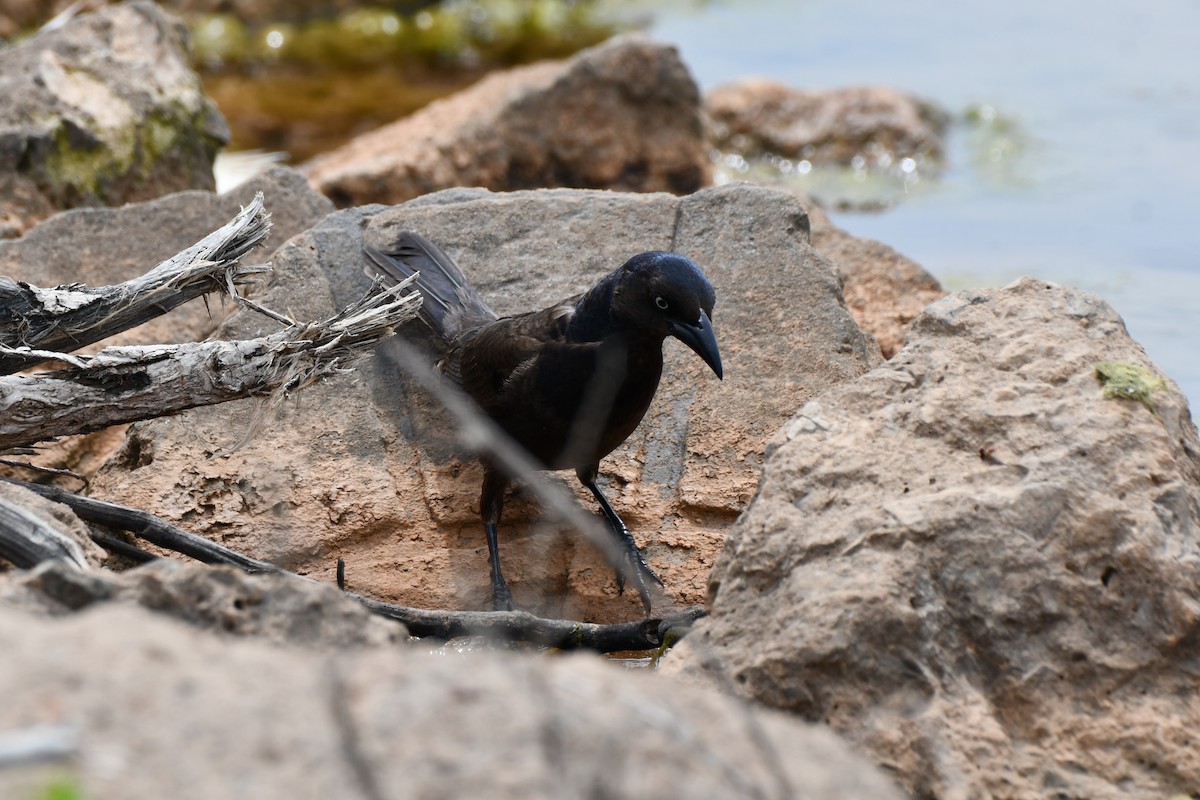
(576,404)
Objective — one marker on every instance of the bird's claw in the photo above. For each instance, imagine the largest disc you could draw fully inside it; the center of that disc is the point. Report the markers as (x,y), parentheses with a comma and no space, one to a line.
(502,599)
(641,570)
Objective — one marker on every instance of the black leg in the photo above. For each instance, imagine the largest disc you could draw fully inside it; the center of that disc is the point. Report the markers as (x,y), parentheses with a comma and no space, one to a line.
(501,596)
(631,556)
(491,503)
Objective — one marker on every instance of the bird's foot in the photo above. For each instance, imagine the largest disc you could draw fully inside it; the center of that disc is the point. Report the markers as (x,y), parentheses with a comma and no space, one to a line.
(502,598)
(640,572)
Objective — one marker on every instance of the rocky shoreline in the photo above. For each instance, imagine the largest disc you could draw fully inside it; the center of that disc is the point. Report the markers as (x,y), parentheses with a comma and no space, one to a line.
(944,551)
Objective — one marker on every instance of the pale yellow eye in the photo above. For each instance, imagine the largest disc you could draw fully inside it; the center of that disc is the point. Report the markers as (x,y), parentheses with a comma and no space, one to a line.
(660,302)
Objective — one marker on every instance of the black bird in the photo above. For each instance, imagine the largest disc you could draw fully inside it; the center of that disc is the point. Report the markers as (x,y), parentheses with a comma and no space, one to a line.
(568,383)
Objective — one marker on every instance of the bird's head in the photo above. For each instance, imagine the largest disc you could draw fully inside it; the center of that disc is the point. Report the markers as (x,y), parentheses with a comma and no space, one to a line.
(667,295)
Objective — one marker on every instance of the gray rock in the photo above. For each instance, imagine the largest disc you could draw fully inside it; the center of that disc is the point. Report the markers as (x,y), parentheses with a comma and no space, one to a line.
(103,111)
(368,468)
(276,608)
(164,711)
(544,125)
(980,561)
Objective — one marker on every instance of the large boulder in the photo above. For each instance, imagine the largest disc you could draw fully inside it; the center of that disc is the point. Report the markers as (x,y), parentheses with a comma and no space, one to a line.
(979,561)
(369,468)
(623,115)
(102,111)
(147,708)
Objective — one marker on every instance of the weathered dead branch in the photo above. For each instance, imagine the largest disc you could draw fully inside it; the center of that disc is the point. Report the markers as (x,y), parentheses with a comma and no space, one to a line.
(513,626)
(26,540)
(35,321)
(125,384)
(146,526)
(519,626)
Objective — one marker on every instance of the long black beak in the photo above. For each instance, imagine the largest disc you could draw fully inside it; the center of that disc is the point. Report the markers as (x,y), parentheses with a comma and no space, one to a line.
(702,340)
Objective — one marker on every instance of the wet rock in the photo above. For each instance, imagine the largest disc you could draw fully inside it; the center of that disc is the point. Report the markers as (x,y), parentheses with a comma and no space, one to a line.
(156,706)
(275,608)
(368,468)
(757,116)
(103,111)
(979,561)
(623,115)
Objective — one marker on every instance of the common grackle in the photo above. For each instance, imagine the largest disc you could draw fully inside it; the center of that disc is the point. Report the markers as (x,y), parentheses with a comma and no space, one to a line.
(568,383)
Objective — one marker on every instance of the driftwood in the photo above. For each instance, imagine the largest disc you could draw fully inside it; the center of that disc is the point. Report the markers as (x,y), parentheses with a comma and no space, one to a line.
(125,384)
(146,526)
(514,626)
(27,540)
(68,317)
(518,626)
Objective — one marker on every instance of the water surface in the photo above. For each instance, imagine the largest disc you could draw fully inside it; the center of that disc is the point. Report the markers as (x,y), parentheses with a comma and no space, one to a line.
(1098,182)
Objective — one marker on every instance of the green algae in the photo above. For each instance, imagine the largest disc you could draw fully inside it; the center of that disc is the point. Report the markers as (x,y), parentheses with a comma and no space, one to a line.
(1128,381)
(85,166)
(474,33)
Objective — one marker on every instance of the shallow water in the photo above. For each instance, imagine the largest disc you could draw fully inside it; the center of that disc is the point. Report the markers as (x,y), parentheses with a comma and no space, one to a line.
(1097,185)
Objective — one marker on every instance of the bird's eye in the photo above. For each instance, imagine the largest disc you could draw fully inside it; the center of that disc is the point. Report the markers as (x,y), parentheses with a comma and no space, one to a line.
(660,302)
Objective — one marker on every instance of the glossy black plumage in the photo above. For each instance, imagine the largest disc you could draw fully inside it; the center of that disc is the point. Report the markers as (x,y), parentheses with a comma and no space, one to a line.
(568,383)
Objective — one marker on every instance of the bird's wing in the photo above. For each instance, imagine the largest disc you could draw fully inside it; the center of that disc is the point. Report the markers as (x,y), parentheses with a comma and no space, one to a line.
(451,304)
(495,361)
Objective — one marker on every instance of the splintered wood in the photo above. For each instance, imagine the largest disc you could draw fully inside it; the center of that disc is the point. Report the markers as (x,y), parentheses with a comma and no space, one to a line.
(125,384)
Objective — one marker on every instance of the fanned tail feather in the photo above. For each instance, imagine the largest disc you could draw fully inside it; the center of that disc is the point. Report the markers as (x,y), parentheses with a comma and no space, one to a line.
(451,304)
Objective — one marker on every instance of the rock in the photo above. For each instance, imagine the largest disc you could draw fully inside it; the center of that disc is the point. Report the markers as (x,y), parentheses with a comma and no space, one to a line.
(884,290)
(103,111)
(276,608)
(161,710)
(368,468)
(623,115)
(977,563)
(756,117)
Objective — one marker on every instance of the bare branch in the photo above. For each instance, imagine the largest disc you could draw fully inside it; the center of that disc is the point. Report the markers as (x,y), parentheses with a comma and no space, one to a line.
(146,526)
(26,539)
(37,320)
(125,384)
(519,626)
